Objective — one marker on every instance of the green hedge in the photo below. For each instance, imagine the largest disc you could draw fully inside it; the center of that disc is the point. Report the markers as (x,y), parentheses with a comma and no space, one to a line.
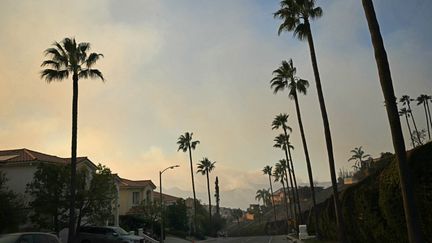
(373,209)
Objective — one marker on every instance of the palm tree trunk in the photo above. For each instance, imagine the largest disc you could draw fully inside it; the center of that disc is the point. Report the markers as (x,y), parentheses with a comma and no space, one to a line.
(209,197)
(308,163)
(193,189)
(285,201)
(295,188)
(287,169)
(415,126)
(427,122)
(409,130)
(287,194)
(339,216)
(411,214)
(430,118)
(272,197)
(71,234)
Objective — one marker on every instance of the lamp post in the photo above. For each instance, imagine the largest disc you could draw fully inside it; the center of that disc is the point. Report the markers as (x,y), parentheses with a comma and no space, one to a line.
(160,195)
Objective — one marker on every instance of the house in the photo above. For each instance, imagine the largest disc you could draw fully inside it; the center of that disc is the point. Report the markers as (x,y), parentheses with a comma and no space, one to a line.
(166,199)
(19,166)
(133,193)
(279,197)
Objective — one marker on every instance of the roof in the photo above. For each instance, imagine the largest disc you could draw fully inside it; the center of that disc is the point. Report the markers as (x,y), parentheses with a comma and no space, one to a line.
(139,183)
(165,197)
(16,156)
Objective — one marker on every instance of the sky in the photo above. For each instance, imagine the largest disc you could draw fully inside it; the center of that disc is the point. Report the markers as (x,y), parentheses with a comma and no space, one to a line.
(173,66)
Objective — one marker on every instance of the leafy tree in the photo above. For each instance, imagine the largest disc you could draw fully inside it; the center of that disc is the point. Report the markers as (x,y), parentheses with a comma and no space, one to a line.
(68,58)
(237,214)
(407,113)
(177,216)
(296,16)
(268,171)
(186,144)
(424,100)
(406,101)
(11,207)
(217,196)
(205,167)
(49,191)
(284,78)
(411,214)
(359,157)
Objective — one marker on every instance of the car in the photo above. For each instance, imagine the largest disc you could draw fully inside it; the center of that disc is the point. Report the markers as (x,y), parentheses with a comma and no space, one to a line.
(105,234)
(29,237)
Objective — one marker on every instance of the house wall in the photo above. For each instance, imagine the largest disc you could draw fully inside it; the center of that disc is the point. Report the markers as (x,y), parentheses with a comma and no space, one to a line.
(126,197)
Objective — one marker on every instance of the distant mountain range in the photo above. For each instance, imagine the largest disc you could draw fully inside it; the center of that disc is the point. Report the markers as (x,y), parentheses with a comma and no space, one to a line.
(236,198)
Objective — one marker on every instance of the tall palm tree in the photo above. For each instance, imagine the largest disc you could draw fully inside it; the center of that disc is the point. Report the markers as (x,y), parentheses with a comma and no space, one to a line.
(268,171)
(429,98)
(406,113)
(424,100)
(279,175)
(296,16)
(262,195)
(359,157)
(411,214)
(406,101)
(284,78)
(186,144)
(279,121)
(205,167)
(69,58)
(281,142)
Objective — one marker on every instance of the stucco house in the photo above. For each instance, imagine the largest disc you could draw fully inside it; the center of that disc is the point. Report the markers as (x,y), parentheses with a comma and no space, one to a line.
(133,193)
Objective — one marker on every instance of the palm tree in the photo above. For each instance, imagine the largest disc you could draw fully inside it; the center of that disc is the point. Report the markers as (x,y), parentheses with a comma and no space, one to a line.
(406,101)
(406,113)
(186,144)
(281,120)
(205,167)
(295,16)
(284,78)
(278,174)
(411,214)
(281,142)
(268,171)
(65,59)
(359,156)
(262,195)
(424,100)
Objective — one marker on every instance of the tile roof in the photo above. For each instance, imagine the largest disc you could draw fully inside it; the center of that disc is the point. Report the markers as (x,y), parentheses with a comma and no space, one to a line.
(165,197)
(138,183)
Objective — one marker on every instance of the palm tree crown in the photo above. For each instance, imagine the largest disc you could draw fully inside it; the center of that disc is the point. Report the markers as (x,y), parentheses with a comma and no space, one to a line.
(295,15)
(284,78)
(267,170)
(69,58)
(205,166)
(281,142)
(185,142)
(281,120)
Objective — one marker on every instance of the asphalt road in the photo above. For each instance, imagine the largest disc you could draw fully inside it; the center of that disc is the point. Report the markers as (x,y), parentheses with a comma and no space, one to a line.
(251,239)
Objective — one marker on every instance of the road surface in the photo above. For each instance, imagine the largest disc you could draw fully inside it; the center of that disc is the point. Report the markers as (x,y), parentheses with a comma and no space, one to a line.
(251,239)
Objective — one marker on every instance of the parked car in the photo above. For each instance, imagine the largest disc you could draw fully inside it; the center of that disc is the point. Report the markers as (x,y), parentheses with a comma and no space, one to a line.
(105,234)
(29,237)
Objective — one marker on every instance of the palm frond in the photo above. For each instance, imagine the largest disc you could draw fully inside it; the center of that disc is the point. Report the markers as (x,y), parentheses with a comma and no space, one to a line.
(54,75)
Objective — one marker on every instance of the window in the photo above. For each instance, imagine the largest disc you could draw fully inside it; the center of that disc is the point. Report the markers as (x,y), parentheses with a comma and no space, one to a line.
(135,198)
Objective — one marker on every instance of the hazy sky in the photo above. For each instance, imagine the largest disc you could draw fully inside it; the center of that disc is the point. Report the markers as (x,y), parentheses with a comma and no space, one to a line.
(204,66)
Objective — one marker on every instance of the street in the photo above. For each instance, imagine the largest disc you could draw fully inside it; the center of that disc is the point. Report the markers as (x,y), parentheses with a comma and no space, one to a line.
(250,239)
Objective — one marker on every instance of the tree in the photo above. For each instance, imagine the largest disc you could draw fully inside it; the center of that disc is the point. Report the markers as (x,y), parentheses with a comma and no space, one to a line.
(424,100)
(68,58)
(186,144)
(419,137)
(406,101)
(282,142)
(284,78)
(359,157)
(11,208)
(268,171)
(406,113)
(411,214)
(237,214)
(296,16)
(263,195)
(205,167)
(177,215)
(278,175)
(217,196)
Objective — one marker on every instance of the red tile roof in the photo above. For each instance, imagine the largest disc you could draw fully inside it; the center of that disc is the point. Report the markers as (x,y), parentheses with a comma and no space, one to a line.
(139,183)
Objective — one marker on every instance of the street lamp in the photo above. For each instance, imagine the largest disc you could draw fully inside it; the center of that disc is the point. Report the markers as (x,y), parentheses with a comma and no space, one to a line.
(160,195)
